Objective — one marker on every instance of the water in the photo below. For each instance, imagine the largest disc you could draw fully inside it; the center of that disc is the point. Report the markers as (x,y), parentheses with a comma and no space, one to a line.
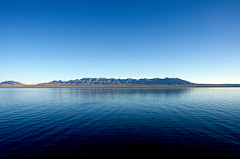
(55,122)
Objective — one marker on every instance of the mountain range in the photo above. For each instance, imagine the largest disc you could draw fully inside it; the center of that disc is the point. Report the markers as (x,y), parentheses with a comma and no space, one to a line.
(11,83)
(107,81)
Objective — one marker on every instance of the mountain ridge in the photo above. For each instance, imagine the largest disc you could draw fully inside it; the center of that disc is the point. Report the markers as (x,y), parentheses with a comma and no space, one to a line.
(107,81)
(12,83)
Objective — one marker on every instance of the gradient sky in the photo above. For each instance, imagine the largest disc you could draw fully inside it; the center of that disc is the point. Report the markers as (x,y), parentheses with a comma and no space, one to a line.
(196,40)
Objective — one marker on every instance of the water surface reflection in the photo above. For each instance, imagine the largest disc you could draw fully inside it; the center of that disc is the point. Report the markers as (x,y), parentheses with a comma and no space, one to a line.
(40,123)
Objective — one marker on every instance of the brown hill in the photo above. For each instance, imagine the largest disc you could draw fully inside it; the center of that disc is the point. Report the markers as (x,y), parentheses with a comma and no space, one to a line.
(11,83)
(113,81)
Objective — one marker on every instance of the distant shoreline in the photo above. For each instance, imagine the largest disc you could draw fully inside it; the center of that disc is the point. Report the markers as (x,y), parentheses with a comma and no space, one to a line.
(113,83)
(124,86)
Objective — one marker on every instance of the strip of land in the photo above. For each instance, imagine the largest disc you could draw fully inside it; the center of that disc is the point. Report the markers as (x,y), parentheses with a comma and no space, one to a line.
(123,86)
(113,83)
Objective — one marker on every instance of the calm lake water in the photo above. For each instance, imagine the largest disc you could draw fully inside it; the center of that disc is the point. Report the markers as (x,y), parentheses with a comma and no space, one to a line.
(54,122)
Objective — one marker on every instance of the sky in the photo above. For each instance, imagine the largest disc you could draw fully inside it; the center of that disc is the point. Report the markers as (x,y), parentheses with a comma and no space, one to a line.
(45,40)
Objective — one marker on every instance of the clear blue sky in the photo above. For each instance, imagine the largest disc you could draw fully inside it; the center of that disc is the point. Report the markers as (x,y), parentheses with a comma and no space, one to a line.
(196,40)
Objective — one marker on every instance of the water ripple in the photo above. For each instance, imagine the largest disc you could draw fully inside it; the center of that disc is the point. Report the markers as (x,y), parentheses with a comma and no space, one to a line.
(55,122)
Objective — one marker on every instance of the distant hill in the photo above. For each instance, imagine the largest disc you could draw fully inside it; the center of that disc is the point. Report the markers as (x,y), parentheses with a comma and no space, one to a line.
(109,82)
(113,81)
(11,83)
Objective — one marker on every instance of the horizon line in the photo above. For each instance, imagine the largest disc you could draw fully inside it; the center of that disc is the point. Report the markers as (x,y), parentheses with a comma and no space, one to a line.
(121,78)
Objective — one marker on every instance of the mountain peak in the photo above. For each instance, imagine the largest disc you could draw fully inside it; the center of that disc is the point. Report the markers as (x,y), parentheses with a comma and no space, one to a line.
(107,81)
(113,81)
(11,83)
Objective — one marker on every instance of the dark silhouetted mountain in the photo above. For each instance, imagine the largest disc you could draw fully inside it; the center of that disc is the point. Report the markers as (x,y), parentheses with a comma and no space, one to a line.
(11,83)
(113,81)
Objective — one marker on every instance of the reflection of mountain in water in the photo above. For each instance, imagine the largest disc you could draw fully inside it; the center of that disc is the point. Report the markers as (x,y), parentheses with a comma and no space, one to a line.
(123,92)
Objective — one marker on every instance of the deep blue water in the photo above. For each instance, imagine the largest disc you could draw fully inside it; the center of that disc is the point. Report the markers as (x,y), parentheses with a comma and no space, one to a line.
(54,122)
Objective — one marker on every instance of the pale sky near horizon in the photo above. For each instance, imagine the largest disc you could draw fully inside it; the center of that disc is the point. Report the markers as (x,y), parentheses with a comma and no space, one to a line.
(197,41)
